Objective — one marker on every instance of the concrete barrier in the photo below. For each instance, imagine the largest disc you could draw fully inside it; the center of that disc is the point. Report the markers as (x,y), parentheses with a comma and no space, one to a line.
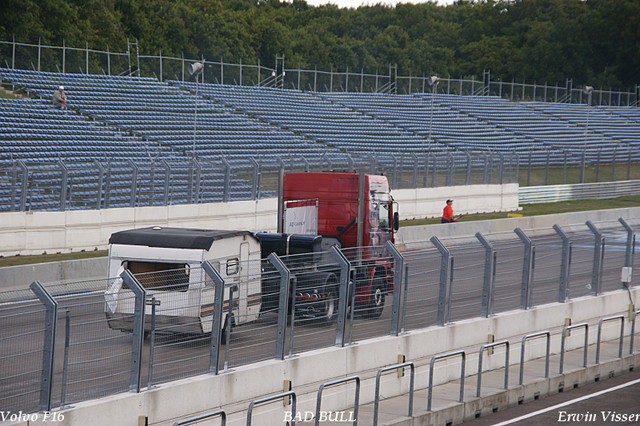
(184,397)
(19,277)
(29,233)
(415,234)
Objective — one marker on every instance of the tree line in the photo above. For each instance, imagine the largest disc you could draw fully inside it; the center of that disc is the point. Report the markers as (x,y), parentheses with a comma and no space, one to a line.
(595,42)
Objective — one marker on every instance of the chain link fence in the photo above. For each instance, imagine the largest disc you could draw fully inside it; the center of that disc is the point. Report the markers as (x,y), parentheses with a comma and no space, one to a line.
(65,343)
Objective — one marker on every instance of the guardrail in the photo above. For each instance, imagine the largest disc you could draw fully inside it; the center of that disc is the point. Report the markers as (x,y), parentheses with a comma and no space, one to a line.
(546,362)
(462,365)
(506,364)
(586,343)
(205,416)
(376,403)
(91,335)
(603,320)
(356,400)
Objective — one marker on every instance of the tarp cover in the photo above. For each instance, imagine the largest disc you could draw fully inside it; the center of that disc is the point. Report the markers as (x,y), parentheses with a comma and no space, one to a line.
(172,237)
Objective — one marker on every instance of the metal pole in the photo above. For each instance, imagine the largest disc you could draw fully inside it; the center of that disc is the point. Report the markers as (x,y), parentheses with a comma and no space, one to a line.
(216,327)
(598,254)
(444,297)
(527,270)
(565,266)
(50,325)
(397,286)
(345,284)
(65,361)
(489,276)
(283,303)
(138,329)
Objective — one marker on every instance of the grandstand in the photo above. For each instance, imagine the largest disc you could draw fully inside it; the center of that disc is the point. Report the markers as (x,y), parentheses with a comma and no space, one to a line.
(138,141)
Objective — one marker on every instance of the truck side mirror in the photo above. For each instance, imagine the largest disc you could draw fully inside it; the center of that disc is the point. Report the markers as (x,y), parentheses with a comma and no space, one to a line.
(396,221)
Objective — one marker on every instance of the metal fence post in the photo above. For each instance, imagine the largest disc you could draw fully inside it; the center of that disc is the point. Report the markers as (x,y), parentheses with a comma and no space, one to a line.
(167,178)
(216,327)
(527,270)
(630,248)
(138,329)
(598,257)
(444,298)
(64,179)
(283,303)
(65,360)
(489,276)
(501,167)
(254,180)
(100,181)
(434,172)
(467,179)
(397,286)
(425,176)
(227,180)
(23,186)
(134,181)
(51,322)
(196,182)
(451,171)
(345,269)
(565,266)
(414,183)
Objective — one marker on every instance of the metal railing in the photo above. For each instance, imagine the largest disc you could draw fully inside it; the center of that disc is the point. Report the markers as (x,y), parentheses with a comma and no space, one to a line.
(104,323)
(376,403)
(546,362)
(462,366)
(506,364)
(160,67)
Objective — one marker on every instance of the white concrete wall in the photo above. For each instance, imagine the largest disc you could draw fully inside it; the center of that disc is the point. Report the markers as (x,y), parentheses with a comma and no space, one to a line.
(410,236)
(429,202)
(72,231)
(237,388)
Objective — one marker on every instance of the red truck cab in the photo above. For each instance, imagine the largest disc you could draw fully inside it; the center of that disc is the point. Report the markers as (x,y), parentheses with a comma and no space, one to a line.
(340,196)
(357,210)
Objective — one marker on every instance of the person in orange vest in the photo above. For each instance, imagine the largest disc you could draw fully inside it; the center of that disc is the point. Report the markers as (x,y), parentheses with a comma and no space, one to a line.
(447,213)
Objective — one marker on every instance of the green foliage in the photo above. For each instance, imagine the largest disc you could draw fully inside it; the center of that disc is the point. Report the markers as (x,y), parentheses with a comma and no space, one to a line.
(595,42)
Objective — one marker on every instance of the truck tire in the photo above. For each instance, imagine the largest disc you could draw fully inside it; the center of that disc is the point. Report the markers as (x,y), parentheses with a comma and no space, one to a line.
(373,309)
(330,307)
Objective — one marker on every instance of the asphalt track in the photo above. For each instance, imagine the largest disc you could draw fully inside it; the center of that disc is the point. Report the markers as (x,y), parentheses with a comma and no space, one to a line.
(614,401)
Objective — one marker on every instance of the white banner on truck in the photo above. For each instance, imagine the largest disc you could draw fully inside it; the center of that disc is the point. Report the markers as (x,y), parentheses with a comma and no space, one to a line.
(301,217)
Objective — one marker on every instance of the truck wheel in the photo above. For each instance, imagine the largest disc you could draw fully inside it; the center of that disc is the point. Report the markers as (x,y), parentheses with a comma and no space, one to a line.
(374,308)
(330,307)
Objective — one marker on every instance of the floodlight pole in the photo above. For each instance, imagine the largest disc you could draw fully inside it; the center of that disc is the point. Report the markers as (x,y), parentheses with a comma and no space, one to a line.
(435,81)
(588,90)
(195,119)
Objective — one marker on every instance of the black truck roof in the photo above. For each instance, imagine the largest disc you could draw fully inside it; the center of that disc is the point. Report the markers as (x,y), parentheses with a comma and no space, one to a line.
(173,237)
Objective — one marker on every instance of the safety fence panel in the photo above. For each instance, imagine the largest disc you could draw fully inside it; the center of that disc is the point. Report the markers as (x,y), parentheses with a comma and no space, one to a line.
(582,259)
(468,279)
(254,332)
(615,239)
(315,301)
(509,270)
(373,284)
(179,313)
(423,287)
(548,262)
(93,340)
(22,330)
